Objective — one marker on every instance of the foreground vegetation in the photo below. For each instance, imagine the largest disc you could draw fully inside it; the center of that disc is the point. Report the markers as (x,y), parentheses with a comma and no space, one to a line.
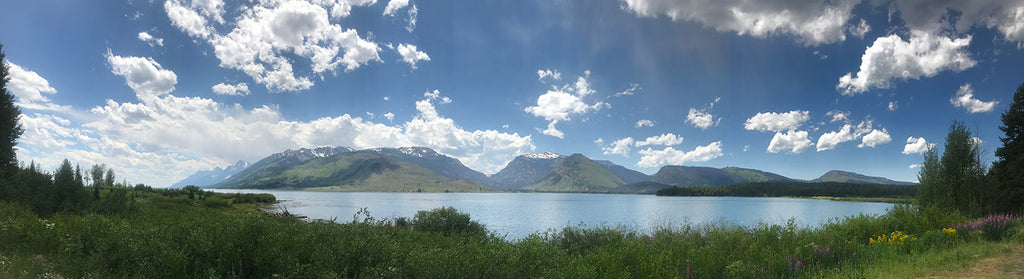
(165,233)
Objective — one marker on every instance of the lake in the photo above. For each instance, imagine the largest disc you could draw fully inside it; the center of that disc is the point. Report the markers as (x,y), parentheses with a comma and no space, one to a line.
(517,215)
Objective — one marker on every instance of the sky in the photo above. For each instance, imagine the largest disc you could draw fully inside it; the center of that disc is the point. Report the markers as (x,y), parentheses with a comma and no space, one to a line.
(158,90)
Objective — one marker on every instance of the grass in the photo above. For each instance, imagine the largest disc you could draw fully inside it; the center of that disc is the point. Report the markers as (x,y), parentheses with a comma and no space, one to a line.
(171,236)
(954,262)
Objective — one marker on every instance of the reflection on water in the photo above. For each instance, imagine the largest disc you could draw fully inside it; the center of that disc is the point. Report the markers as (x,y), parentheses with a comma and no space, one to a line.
(520,214)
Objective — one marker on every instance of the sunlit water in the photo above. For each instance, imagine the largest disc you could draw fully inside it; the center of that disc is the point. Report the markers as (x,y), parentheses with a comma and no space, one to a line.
(517,215)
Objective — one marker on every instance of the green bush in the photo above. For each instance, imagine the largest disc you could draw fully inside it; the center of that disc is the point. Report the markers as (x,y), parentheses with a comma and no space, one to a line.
(215,202)
(448,221)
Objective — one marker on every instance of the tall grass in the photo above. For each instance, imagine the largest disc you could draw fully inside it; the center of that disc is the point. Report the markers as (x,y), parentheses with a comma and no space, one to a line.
(173,237)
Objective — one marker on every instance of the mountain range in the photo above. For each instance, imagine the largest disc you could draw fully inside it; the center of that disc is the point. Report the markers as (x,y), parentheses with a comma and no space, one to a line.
(210,177)
(411,169)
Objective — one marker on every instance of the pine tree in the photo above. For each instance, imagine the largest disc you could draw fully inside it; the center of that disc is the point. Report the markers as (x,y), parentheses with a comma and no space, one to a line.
(10,129)
(109,181)
(1008,169)
(956,180)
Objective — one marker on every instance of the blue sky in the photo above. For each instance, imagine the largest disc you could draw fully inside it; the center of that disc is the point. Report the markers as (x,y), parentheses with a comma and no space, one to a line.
(160,89)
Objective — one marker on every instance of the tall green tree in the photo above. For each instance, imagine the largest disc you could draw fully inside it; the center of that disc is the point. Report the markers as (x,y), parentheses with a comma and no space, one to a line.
(1008,169)
(97,175)
(65,191)
(10,129)
(109,180)
(955,180)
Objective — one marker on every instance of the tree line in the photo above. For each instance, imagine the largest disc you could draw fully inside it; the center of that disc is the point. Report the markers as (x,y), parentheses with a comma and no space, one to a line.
(957,179)
(794,189)
(65,189)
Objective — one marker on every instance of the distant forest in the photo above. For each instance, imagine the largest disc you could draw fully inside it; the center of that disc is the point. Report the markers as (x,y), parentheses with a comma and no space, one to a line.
(795,189)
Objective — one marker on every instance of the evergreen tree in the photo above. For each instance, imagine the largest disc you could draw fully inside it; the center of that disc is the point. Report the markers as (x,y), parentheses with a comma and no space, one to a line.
(10,129)
(109,181)
(78,175)
(1008,169)
(955,180)
(65,194)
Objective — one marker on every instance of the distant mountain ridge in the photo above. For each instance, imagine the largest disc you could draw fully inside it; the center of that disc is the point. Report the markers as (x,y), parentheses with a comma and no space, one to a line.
(577,173)
(278,162)
(525,170)
(356,171)
(399,169)
(428,158)
(684,176)
(210,177)
(850,177)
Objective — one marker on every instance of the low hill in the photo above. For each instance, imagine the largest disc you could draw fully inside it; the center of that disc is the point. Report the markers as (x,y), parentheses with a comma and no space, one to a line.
(684,176)
(850,177)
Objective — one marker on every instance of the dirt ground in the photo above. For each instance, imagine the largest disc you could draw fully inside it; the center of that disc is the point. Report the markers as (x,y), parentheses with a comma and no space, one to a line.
(1008,263)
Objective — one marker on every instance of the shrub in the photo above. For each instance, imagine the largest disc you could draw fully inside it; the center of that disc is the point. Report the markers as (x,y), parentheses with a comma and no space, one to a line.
(215,202)
(447,220)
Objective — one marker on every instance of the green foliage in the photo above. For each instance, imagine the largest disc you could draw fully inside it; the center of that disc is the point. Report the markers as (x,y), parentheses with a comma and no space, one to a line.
(10,128)
(794,189)
(955,180)
(447,220)
(1008,169)
(167,235)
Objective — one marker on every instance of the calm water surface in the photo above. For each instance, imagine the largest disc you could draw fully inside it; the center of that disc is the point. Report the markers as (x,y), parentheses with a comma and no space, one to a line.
(517,215)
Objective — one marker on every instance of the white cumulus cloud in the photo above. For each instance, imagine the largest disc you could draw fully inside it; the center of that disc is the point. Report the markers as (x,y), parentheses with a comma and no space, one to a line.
(187,18)
(875,138)
(267,38)
(811,22)
(777,122)
(917,146)
(1004,16)
(395,5)
(620,147)
(792,141)
(144,75)
(965,99)
(847,133)
(670,156)
(667,139)
(411,55)
(890,58)
(701,118)
(29,87)
(240,89)
(558,104)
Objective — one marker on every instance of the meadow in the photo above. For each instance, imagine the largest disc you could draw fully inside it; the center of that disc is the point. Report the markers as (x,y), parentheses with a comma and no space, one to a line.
(171,234)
